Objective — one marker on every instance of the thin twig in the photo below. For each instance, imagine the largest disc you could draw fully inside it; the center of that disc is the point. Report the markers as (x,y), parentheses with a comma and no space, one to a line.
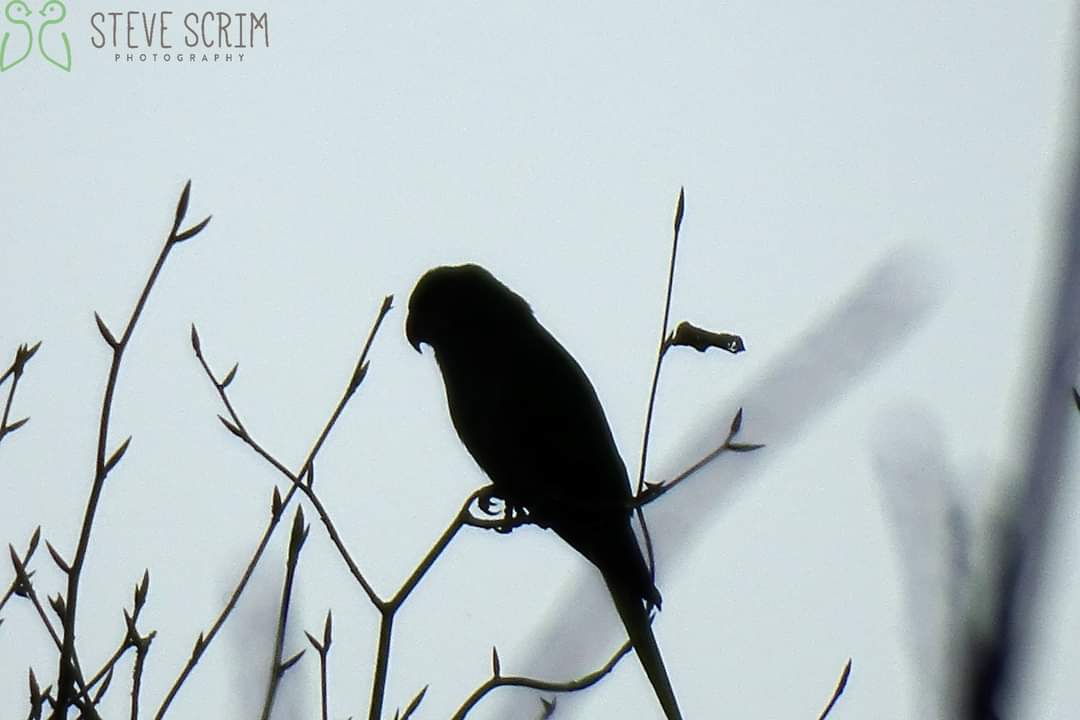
(660,352)
(7,404)
(297,479)
(30,548)
(323,648)
(663,345)
(433,554)
(390,607)
(296,543)
(104,464)
(23,586)
(141,643)
(38,698)
(15,371)
(497,680)
(324,702)
(10,370)
(359,372)
(23,353)
(840,685)
(204,640)
(654,492)
(382,662)
(109,664)
(142,647)
(131,637)
(339,544)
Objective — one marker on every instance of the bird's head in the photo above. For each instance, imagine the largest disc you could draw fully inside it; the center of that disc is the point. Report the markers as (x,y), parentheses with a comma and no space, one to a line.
(452,303)
(17,11)
(54,11)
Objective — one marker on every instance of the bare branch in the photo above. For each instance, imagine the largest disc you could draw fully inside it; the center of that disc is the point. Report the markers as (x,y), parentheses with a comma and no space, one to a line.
(660,352)
(498,681)
(277,667)
(840,685)
(323,648)
(68,661)
(15,371)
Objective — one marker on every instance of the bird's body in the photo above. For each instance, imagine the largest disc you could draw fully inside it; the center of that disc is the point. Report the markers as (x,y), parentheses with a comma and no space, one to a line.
(54,46)
(16,48)
(529,416)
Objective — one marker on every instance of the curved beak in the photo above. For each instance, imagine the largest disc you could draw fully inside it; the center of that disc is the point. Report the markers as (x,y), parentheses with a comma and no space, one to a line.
(411,333)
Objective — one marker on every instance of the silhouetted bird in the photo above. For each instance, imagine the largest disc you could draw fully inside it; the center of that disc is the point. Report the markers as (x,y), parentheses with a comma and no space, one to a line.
(529,416)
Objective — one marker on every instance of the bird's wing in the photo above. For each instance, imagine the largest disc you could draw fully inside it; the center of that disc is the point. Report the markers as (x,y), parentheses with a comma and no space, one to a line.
(6,61)
(60,55)
(568,450)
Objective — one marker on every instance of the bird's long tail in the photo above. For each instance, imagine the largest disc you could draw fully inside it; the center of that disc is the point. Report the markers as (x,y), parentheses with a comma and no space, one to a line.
(636,619)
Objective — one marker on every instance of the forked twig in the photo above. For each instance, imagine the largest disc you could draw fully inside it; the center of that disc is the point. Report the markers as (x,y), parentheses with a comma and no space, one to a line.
(498,680)
(15,371)
(236,426)
(323,648)
(654,492)
(388,609)
(278,504)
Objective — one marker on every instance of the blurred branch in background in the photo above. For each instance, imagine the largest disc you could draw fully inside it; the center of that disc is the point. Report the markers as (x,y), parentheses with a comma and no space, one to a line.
(970,622)
(931,525)
(1030,517)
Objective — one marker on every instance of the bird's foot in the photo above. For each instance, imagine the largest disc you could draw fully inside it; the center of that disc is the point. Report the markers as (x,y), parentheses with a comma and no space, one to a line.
(649,493)
(487,501)
(512,516)
(508,514)
(494,505)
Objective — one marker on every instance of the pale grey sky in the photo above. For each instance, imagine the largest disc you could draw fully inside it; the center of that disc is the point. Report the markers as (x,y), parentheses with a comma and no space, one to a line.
(373,141)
